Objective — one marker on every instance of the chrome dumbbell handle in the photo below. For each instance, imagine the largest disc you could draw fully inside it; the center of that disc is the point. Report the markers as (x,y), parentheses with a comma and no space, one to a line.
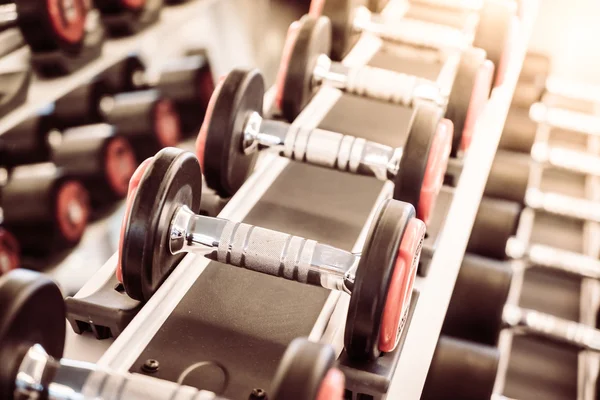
(324,148)
(264,250)
(571,160)
(377,83)
(565,119)
(562,205)
(549,327)
(411,31)
(77,380)
(556,259)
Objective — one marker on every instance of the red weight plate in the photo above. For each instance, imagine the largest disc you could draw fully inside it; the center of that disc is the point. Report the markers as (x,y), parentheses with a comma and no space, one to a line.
(134,182)
(290,40)
(9,252)
(201,139)
(399,292)
(332,387)
(72,210)
(512,39)
(167,124)
(479,97)
(68,19)
(133,5)
(119,161)
(437,161)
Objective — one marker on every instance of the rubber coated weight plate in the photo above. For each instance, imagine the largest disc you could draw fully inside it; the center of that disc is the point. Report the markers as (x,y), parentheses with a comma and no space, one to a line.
(32,312)
(494,33)
(480,293)
(495,223)
(409,180)
(313,38)
(470,91)
(9,252)
(341,14)
(57,25)
(373,278)
(173,179)
(461,370)
(301,371)
(226,167)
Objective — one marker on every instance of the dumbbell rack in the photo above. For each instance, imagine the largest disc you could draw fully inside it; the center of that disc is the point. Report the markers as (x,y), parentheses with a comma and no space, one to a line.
(183,26)
(436,289)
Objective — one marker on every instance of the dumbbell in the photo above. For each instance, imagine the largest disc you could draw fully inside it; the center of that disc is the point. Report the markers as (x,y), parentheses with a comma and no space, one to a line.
(100,160)
(61,36)
(43,209)
(234,131)
(10,252)
(461,369)
(521,125)
(493,236)
(188,82)
(305,66)
(160,227)
(91,154)
(494,32)
(146,118)
(478,310)
(29,142)
(81,106)
(126,17)
(32,337)
(509,179)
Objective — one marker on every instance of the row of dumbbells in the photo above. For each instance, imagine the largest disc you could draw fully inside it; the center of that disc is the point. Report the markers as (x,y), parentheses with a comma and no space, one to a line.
(73,159)
(62,36)
(161,223)
(466,360)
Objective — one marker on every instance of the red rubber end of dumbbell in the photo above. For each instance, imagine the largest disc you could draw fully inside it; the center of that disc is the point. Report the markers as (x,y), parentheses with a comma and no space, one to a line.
(9,252)
(437,162)
(316,8)
(479,98)
(119,161)
(401,285)
(72,210)
(166,123)
(332,387)
(290,40)
(508,51)
(202,134)
(68,21)
(133,5)
(134,182)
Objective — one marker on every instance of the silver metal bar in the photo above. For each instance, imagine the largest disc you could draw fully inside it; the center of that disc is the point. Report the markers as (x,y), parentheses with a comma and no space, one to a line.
(567,159)
(263,250)
(565,119)
(566,206)
(555,329)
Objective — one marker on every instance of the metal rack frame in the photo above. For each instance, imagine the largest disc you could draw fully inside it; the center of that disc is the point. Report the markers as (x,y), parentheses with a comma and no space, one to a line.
(436,289)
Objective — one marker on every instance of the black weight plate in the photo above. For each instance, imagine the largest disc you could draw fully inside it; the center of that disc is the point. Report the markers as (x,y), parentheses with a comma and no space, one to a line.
(423,127)
(313,39)
(461,370)
(477,303)
(57,25)
(172,180)
(341,14)
(303,367)
(372,281)
(462,92)
(494,31)
(509,176)
(32,312)
(495,223)
(226,167)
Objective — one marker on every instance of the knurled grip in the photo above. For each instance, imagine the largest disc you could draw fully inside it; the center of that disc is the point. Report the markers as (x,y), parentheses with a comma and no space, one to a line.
(554,329)
(266,251)
(324,148)
(423,34)
(108,385)
(382,84)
